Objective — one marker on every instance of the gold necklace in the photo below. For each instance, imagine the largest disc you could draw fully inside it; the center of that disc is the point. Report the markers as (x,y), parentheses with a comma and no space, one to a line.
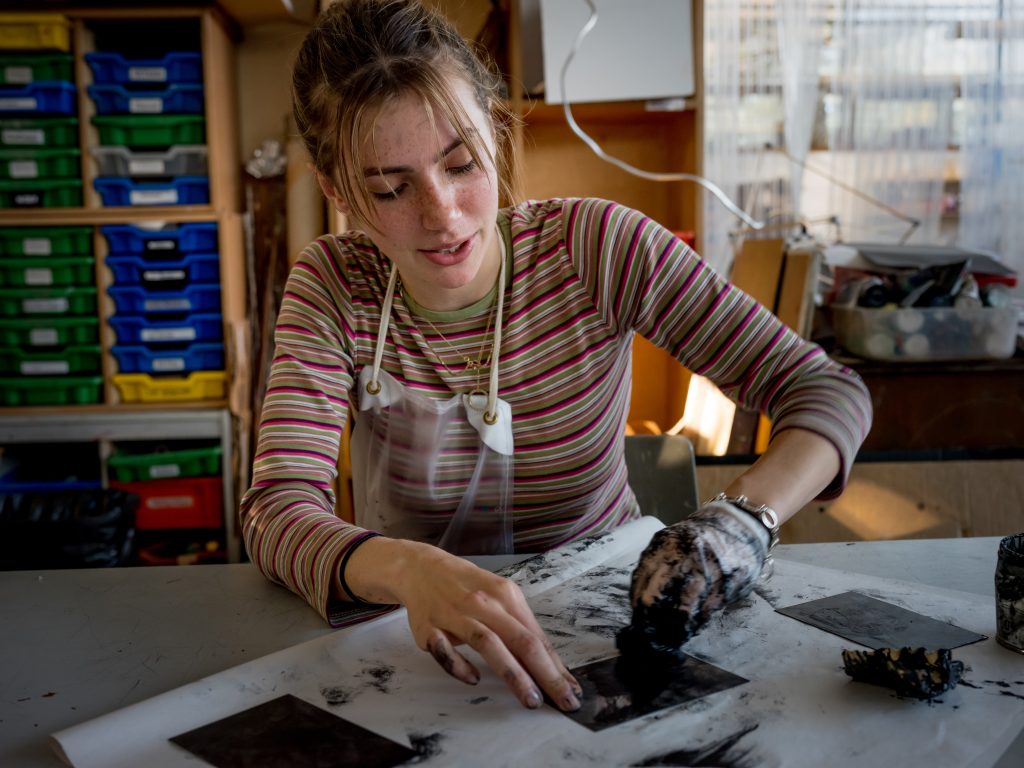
(469,364)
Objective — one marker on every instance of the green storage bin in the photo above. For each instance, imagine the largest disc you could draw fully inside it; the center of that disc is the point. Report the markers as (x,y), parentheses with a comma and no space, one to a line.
(22,68)
(49,331)
(40,193)
(18,302)
(36,390)
(39,132)
(128,467)
(45,241)
(37,271)
(32,163)
(150,130)
(57,362)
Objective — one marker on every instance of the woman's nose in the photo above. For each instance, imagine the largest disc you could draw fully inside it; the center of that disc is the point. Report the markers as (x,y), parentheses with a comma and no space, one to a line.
(439,205)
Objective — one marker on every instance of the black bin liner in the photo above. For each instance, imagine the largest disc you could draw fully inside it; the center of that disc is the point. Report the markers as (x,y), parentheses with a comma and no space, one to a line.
(66,529)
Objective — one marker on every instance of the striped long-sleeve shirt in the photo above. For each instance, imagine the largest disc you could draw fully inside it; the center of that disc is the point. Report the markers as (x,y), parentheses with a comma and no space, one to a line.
(583,276)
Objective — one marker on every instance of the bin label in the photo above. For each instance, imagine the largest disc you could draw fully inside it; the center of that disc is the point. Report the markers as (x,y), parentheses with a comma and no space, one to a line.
(38,276)
(24,104)
(18,74)
(23,136)
(168,364)
(156,275)
(168,334)
(160,471)
(146,105)
(43,337)
(139,167)
(170,502)
(37,246)
(27,199)
(58,306)
(23,169)
(153,196)
(159,245)
(166,305)
(147,74)
(45,367)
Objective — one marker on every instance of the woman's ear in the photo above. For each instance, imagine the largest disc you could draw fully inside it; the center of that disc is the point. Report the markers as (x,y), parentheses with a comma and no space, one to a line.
(331,193)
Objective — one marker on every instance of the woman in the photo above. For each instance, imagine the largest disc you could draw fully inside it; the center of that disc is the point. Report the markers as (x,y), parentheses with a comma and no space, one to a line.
(486,351)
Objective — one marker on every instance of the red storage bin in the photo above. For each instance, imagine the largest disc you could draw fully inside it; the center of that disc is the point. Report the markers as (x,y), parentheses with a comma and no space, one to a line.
(193,502)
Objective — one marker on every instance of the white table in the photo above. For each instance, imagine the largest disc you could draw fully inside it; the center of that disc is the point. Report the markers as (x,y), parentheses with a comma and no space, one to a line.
(78,644)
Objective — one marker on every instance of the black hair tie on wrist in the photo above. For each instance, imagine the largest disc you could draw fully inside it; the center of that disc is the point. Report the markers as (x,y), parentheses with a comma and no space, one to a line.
(344,562)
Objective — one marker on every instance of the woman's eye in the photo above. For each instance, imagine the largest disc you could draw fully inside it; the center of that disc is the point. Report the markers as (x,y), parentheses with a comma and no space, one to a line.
(391,194)
(458,170)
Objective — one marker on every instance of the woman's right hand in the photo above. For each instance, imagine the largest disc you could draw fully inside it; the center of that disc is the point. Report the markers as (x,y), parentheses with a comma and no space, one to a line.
(452,602)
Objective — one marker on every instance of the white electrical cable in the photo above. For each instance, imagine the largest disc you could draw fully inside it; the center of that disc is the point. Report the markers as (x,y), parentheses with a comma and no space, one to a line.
(649,175)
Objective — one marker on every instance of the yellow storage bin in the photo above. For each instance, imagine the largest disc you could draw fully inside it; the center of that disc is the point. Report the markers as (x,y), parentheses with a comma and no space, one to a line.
(143,388)
(35,31)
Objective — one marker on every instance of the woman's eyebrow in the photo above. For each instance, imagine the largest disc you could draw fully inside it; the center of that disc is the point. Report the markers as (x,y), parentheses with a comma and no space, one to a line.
(367,172)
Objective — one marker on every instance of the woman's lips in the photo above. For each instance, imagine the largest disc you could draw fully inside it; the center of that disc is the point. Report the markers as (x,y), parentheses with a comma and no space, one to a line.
(448,257)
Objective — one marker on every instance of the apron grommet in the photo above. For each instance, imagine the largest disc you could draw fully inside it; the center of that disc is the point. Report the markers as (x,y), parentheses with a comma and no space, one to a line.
(373,387)
(490,418)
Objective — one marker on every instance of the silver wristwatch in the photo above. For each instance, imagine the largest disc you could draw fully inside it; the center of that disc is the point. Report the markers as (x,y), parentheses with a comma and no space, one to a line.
(769,517)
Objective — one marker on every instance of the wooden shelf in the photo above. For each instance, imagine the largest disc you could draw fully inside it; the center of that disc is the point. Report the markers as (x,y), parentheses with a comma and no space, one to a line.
(10,217)
(534,111)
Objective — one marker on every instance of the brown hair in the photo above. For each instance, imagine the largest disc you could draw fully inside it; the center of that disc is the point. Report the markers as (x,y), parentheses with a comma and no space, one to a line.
(360,54)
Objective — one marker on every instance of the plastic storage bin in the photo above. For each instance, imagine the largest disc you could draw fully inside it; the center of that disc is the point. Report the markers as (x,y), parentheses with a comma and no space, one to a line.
(43,31)
(49,332)
(183,190)
(45,241)
(201,356)
(155,273)
(32,163)
(136,300)
(39,131)
(177,98)
(49,97)
(127,466)
(133,329)
(17,302)
(58,362)
(156,242)
(185,160)
(33,271)
(150,130)
(36,193)
(22,68)
(143,388)
(176,67)
(927,334)
(183,503)
(33,390)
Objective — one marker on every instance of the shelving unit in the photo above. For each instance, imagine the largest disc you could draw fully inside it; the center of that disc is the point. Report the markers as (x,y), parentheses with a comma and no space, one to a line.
(176,417)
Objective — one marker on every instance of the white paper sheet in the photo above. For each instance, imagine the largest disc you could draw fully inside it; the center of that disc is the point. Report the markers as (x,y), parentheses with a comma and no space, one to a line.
(799,708)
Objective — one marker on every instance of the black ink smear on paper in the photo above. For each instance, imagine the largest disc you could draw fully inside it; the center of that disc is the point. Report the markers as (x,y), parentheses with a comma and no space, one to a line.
(718,753)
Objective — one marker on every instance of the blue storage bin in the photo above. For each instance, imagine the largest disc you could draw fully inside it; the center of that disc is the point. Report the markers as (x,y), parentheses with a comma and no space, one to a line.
(178,67)
(181,190)
(47,97)
(134,299)
(201,356)
(177,98)
(131,239)
(151,272)
(133,329)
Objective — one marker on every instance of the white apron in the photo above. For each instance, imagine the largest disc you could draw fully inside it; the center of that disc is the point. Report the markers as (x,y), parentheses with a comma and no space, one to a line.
(434,470)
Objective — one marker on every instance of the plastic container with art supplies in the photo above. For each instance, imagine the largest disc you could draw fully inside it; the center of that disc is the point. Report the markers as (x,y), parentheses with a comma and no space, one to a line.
(143,388)
(174,67)
(160,273)
(158,240)
(49,132)
(154,331)
(39,163)
(150,130)
(48,302)
(59,390)
(179,503)
(21,68)
(200,356)
(45,241)
(47,97)
(51,362)
(131,463)
(134,299)
(184,160)
(174,99)
(34,332)
(927,334)
(43,271)
(182,190)
(35,31)
(40,193)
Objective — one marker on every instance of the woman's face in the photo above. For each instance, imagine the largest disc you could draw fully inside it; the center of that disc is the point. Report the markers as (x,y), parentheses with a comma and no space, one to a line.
(434,209)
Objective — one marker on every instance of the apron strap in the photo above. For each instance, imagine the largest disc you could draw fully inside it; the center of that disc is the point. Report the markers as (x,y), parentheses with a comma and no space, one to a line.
(373,385)
(491,414)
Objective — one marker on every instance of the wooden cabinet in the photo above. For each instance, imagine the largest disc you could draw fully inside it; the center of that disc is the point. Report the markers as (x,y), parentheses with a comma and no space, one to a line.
(170,406)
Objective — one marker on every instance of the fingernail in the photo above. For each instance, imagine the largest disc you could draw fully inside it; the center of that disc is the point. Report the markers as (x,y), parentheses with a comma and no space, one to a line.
(576,687)
(570,703)
(534,699)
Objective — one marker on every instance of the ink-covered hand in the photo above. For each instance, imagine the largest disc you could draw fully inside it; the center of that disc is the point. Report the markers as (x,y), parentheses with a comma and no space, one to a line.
(689,571)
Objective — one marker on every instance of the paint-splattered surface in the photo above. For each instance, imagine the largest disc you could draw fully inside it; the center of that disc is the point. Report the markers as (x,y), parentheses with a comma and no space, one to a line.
(797,706)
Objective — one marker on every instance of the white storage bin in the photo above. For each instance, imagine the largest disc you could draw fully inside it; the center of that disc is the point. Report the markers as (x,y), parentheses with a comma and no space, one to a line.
(180,160)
